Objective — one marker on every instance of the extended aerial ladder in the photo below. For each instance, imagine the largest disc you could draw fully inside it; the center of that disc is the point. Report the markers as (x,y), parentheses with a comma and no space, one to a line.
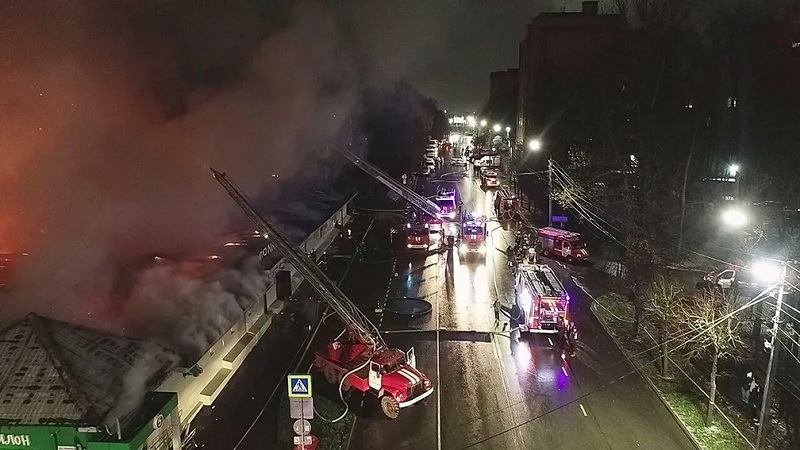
(400,189)
(354,320)
(360,360)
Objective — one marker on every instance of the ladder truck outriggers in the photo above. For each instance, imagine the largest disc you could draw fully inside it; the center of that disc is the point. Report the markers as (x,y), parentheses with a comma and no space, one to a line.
(358,358)
(541,297)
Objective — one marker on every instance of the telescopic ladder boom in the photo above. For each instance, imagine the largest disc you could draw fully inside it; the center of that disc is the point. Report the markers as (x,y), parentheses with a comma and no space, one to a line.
(354,320)
(402,190)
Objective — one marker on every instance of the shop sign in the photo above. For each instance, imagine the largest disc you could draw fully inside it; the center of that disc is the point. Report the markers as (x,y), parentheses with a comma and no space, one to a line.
(20,440)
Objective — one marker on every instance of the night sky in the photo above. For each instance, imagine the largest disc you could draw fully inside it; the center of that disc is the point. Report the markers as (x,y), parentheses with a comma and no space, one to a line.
(446,48)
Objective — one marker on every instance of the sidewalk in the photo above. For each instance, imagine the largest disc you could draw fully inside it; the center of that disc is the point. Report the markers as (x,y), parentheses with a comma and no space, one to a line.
(684,394)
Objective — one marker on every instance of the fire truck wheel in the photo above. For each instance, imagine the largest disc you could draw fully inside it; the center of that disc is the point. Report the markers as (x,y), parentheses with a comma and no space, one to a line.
(390,406)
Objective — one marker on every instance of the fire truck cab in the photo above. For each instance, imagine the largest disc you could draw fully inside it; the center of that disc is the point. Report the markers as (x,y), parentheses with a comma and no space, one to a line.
(473,237)
(541,297)
(562,243)
(418,236)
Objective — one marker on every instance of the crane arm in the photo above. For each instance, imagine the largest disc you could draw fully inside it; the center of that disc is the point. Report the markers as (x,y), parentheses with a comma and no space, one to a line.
(404,191)
(354,320)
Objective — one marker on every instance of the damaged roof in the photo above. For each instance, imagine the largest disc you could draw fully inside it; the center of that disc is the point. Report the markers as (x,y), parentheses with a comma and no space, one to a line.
(53,372)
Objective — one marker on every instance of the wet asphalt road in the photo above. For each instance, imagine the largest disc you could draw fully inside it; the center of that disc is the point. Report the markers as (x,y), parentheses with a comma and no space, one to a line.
(494,392)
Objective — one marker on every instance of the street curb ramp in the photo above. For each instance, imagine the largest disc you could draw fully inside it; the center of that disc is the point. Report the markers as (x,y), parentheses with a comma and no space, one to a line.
(647,380)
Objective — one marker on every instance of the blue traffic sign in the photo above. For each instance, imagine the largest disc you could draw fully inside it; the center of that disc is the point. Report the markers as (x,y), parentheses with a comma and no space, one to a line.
(299,386)
(560,219)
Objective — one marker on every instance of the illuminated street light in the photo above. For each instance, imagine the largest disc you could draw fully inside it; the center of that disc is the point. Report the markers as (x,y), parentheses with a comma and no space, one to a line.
(734,217)
(508,129)
(497,128)
(483,123)
(768,272)
(733,169)
(535,145)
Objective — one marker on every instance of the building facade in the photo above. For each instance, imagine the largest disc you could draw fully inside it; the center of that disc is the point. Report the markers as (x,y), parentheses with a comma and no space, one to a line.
(557,48)
(502,104)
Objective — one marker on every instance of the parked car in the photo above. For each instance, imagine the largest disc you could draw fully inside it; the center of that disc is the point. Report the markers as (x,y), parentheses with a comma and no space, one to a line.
(735,278)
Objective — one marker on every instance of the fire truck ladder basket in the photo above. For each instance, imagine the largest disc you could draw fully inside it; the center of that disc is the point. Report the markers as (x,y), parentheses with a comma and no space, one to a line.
(353,319)
(414,198)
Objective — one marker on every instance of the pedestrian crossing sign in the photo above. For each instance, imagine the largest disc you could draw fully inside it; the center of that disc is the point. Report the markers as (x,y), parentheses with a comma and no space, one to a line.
(299,386)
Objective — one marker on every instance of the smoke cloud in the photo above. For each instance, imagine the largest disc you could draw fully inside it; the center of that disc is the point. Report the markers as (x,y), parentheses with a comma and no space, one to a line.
(111,114)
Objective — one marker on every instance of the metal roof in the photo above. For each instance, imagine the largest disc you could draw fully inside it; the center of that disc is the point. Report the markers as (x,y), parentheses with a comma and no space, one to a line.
(53,372)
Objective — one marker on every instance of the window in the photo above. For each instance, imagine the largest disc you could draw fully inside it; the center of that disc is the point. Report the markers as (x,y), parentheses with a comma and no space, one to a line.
(732,102)
(796,44)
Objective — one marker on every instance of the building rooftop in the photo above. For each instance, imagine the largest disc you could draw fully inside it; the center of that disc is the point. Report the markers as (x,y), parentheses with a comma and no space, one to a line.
(53,372)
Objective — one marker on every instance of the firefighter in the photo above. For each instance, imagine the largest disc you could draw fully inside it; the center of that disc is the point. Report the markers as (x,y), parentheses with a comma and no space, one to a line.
(569,338)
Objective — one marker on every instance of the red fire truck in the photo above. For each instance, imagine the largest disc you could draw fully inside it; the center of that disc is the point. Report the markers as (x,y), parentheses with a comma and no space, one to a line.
(418,236)
(489,178)
(562,243)
(473,236)
(505,204)
(541,297)
(446,201)
(390,374)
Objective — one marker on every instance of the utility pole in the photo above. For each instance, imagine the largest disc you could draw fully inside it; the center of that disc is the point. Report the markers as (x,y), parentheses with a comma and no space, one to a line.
(550,191)
(766,401)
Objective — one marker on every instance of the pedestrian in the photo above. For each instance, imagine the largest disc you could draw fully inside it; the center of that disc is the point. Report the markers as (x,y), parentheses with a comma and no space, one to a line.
(496,306)
(746,387)
(756,396)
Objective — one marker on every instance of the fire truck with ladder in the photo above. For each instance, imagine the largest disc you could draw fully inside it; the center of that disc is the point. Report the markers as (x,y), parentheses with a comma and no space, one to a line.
(358,358)
(541,297)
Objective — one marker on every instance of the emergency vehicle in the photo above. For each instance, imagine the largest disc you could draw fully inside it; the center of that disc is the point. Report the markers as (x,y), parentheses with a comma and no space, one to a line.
(541,297)
(447,206)
(505,204)
(562,243)
(489,178)
(473,237)
(418,236)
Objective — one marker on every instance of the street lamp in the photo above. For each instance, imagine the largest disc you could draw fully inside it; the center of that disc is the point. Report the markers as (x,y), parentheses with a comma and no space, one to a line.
(483,122)
(497,127)
(733,169)
(535,145)
(734,218)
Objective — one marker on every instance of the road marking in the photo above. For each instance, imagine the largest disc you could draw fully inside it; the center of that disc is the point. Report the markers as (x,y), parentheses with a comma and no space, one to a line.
(584,410)
(438,382)
(563,369)
(550,341)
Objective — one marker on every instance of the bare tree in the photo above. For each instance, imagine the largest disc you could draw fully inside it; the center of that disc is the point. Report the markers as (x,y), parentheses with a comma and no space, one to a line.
(661,298)
(713,333)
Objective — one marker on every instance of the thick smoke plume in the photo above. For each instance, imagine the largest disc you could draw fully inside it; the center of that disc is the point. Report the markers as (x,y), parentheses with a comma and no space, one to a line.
(111,114)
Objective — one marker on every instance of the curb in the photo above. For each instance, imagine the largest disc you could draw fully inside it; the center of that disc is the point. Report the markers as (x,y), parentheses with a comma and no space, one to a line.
(647,379)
